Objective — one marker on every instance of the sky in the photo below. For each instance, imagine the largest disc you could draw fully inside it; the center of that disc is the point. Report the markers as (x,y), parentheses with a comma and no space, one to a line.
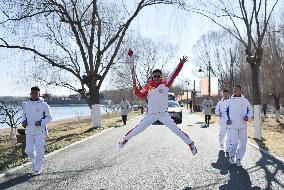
(181,29)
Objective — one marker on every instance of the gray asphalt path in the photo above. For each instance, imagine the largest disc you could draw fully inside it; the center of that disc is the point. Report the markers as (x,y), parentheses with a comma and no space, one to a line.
(154,159)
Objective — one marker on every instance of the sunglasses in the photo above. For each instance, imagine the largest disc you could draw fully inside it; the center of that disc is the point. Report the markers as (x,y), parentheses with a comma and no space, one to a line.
(157,76)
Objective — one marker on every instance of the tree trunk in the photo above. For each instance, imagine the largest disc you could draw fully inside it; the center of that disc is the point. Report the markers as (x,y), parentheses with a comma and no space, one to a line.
(256,100)
(11,133)
(95,106)
(277,107)
(255,84)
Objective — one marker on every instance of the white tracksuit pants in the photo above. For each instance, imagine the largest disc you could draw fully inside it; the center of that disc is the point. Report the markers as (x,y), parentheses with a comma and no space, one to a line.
(162,117)
(35,147)
(238,142)
(224,134)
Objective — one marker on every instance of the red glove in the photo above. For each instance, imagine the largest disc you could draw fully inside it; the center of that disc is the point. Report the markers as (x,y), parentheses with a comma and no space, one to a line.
(130,52)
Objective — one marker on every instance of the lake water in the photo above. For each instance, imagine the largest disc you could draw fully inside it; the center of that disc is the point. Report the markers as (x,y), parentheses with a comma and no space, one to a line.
(64,112)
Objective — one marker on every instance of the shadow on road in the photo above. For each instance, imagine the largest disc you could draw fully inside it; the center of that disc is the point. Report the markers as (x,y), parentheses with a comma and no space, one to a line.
(199,123)
(222,163)
(239,177)
(273,169)
(15,181)
(44,180)
(205,126)
(261,143)
(187,188)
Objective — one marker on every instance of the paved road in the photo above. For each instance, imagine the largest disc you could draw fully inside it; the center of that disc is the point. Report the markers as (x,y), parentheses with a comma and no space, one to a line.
(155,159)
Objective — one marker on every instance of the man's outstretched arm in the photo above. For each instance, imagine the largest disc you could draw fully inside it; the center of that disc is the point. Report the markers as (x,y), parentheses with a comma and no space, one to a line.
(175,73)
(141,93)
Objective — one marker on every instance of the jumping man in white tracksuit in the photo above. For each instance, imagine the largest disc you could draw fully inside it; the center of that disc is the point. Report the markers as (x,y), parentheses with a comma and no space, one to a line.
(238,111)
(156,92)
(36,114)
(220,111)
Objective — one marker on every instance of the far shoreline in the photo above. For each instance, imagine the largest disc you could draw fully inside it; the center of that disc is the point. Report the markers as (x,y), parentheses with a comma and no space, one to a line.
(54,123)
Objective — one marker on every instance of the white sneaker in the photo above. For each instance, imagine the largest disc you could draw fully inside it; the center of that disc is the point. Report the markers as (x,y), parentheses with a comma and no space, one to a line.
(239,162)
(193,148)
(37,172)
(232,160)
(122,143)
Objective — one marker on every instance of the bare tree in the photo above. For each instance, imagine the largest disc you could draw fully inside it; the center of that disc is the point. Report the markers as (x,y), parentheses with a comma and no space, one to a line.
(10,115)
(272,73)
(148,56)
(224,53)
(78,37)
(252,15)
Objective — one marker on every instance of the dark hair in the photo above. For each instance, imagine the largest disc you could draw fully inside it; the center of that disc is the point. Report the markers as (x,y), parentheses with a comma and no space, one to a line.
(226,91)
(35,88)
(238,86)
(157,71)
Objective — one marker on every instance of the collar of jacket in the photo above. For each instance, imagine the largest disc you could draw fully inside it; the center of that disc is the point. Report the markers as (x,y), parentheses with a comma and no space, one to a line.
(40,99)
(223,99)
(156,84)
(237,96)
(34,100)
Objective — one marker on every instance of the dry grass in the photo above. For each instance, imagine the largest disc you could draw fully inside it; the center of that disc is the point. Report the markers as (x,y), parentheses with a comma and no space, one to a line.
(61,133)
(272,133)
(272,136)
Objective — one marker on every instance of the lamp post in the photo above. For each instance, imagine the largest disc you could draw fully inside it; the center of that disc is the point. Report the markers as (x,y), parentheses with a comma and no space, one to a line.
(193,93)
(187,94)
(193,96)
(209,77)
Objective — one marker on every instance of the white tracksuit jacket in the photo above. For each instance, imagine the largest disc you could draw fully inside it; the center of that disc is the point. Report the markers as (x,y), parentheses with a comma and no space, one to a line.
(236,109)
(221,110)
(157,95)
(125,106)
(223,131)
(36,111)
(207,105)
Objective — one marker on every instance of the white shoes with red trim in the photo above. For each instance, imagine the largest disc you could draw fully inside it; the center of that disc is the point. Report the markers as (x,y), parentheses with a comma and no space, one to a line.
(37,172)
(122,143)
(193,148)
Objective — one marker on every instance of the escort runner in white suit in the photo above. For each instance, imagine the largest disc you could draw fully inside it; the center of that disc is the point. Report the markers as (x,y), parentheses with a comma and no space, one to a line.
(238,111)
(207,107)
(125,108)
(220,111)
(156,92)
(36,115)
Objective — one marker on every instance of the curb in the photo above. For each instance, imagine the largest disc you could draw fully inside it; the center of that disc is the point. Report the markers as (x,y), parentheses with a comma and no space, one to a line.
(61,149)
(263,150)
